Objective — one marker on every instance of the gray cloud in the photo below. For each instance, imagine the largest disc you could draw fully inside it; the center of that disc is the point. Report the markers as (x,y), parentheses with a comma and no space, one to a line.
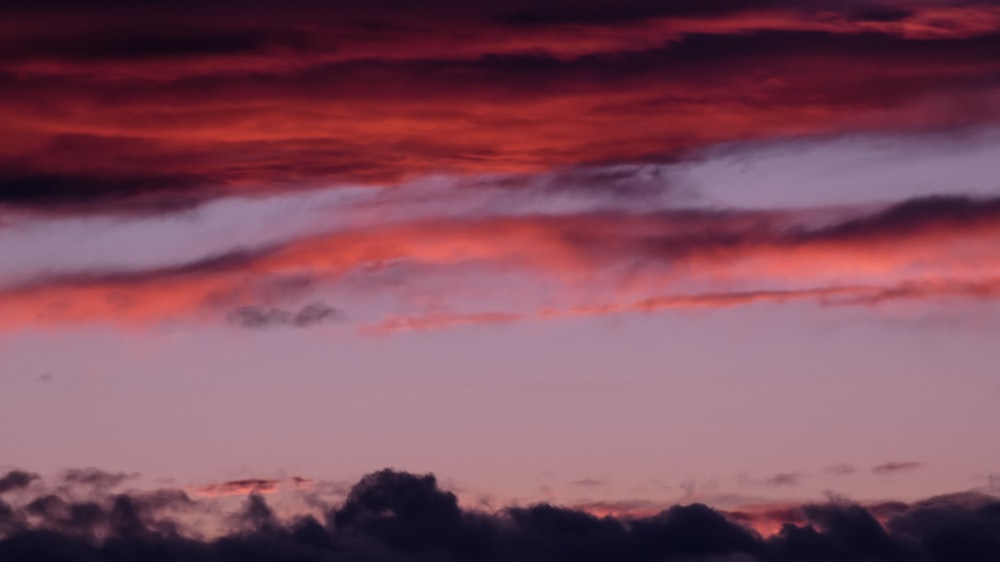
(262,317)
(896,466)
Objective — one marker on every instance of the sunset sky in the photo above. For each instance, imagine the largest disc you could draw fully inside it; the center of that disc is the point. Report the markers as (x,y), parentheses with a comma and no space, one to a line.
(611,256)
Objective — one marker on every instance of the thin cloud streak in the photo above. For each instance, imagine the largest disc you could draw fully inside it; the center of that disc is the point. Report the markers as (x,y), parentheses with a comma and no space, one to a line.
(896,466)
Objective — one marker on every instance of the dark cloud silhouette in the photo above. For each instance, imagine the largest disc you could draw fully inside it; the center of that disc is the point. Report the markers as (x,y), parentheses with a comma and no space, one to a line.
(915,216)
(79,193)
(403,517)
(95,477)
(15,480)
(896,466)
(260,317)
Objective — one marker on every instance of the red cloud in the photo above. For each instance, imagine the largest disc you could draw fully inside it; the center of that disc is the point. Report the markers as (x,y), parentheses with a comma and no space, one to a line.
(104,116)
(249,486)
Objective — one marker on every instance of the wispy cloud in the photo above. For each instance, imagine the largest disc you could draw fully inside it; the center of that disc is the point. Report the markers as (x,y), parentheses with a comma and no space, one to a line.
(841,469)
(896,466)
(916,250)
(247,486)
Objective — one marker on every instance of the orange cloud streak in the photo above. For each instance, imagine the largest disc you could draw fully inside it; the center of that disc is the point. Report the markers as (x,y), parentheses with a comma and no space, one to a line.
(237,488)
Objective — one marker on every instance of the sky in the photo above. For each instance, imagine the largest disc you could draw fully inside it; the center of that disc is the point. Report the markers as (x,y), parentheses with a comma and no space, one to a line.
(687,280)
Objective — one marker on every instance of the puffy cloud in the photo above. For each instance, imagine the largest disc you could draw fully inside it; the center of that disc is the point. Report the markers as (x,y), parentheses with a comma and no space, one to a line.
(15,480)
(390,515)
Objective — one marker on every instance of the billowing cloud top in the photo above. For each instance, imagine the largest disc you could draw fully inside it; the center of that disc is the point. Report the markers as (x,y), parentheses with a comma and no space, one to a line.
(390,515)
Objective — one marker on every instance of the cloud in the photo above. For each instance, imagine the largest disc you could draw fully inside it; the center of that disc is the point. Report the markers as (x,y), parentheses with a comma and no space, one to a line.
(620,508)
(590,483)
(110,111)
(926,249)
(391,515)
(440,321)
(250,486)
(239,487)
(75,193)
(259,317)
(15,480)
(95,478)
(896,466)
(783,479)
(841,469)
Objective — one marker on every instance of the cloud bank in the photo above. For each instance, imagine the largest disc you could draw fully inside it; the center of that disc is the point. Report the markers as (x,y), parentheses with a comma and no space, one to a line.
(391,515)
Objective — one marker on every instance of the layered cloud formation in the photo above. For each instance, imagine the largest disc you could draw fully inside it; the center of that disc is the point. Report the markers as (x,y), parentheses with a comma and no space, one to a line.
(455,163)
(585,263)
(391,515)
(115,107)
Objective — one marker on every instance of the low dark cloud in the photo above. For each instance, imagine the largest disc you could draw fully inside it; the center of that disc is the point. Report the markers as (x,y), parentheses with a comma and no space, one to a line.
(262,317)
(15,480)
(95,478)
(401,517)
